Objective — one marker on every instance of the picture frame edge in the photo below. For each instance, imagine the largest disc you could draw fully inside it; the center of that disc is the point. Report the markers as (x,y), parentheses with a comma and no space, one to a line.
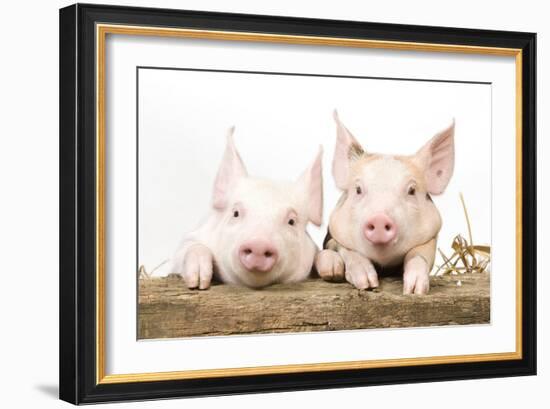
(78,378)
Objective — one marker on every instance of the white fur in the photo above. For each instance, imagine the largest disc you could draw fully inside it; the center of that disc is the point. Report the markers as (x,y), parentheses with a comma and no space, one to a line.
(384,183)
(263,208)
(379,184)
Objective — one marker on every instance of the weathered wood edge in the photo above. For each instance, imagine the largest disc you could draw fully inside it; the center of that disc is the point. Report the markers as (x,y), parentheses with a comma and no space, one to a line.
(167,309)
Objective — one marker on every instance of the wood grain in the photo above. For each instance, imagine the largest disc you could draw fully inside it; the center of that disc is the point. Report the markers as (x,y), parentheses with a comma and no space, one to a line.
(167,309)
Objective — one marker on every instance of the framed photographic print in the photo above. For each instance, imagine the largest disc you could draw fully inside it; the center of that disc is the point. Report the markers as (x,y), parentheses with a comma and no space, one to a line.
(258,203)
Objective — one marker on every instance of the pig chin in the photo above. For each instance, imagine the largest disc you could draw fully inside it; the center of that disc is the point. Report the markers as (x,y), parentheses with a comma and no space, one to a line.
(253,277)
(256,278)
(388,254)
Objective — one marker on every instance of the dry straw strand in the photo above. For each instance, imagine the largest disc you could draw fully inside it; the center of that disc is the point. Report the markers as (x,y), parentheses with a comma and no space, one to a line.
(466,257)
(143,274)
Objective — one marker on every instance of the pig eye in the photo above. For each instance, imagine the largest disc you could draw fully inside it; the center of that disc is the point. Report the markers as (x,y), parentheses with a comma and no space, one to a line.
(235,213)
(358,190)
(292,218)
(411,191)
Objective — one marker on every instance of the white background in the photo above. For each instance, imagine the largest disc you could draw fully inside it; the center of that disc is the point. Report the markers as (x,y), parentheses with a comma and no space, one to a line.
(29,207)
(281,121)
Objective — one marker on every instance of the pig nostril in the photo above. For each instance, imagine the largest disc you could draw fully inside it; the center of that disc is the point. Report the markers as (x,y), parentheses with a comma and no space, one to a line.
(258,256)
(380,229)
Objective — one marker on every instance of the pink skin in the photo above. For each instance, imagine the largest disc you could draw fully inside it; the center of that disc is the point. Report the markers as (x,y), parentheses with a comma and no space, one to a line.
(385,215)
(380,229)
(255,234)
(258,255)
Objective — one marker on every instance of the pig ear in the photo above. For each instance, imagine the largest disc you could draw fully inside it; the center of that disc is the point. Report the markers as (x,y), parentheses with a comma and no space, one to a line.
(230,170)
(346,151)
(437,158)
(311,182)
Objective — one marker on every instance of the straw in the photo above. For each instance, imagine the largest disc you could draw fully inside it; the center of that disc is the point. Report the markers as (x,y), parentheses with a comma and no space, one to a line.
(143,274)
(466,257)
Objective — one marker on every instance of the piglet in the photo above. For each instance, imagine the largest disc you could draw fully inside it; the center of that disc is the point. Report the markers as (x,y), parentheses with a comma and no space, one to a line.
(255,233)
(385,217)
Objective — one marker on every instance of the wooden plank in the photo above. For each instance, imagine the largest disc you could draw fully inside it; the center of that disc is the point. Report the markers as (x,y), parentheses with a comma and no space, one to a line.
(168,309)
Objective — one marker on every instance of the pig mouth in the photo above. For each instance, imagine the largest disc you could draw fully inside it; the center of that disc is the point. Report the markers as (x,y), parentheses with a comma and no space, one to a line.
(381,250)
(257,278)
(384,246)
(258,272)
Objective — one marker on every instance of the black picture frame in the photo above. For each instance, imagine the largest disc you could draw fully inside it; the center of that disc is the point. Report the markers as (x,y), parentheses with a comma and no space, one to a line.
(78,313)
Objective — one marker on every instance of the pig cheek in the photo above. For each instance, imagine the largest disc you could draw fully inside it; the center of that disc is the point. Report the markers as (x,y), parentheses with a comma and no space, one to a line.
(228,248)
(359,215)
(295,245)
(432,220)
(422,223)
(404,218)
(287,243)
(407,217)
(343,226)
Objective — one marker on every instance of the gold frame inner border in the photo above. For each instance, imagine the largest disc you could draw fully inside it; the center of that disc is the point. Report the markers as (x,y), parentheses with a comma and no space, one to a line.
(101,33)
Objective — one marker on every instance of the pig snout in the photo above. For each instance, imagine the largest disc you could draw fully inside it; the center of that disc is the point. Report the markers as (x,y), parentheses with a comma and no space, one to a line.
(258,255)
(380,229)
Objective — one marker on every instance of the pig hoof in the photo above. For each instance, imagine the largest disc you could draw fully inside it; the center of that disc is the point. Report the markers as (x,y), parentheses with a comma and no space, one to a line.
(198,267)
(416,278)
(359,271)
(330,265)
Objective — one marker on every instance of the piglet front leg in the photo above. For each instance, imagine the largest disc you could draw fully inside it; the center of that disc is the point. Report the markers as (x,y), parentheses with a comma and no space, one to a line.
(336,263)
(360,271)
(330,265)
(198,266)
(417,266)
(416,278)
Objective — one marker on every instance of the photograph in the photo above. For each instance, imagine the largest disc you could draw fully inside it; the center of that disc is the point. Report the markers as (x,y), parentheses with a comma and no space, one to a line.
(344,207)
(261,203)
(264,204)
